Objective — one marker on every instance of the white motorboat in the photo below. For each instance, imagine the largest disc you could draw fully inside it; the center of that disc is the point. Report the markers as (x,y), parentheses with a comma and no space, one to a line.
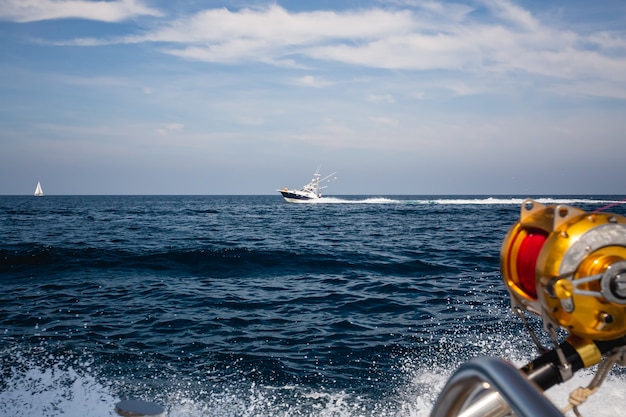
(310,191)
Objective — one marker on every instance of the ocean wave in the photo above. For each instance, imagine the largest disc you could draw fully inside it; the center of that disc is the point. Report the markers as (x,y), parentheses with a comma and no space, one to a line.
(37,258)
(59,384)
(465,200)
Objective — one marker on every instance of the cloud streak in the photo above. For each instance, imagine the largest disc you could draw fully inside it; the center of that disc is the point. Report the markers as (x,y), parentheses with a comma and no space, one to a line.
(432,36)
(23,11)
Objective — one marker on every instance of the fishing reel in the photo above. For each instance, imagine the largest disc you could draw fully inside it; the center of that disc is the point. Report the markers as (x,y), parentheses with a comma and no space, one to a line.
(569,267)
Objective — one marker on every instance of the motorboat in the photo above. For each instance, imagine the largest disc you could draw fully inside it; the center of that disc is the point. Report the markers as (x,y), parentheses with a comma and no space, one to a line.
(310,191)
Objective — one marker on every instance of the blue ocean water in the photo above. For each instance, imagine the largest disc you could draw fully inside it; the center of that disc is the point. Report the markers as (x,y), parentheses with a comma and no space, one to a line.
(251,306)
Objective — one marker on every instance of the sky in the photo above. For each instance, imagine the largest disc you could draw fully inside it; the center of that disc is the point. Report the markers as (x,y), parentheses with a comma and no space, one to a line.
(489,97)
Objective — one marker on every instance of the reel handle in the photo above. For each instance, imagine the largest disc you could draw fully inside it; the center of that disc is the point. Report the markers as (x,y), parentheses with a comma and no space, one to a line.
(545,372)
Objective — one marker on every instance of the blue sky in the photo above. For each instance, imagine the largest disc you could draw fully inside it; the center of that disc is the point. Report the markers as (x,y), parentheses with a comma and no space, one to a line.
(243,97)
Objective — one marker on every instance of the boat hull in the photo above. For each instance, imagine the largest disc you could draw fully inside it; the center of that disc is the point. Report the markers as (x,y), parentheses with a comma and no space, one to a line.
(295,197)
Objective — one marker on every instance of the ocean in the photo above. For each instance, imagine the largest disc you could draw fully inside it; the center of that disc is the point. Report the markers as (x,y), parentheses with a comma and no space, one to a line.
(251,306)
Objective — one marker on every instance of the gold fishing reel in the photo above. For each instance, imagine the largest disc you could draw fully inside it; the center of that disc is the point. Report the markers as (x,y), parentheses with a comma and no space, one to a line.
(569,267)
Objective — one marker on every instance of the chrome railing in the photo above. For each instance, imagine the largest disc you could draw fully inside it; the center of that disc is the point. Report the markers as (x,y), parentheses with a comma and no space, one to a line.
(490,387)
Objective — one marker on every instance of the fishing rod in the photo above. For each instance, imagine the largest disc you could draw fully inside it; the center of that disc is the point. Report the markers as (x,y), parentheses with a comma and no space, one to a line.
(567,266)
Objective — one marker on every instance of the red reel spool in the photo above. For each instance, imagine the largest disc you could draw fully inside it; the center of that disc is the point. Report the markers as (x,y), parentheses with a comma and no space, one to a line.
(520,252)
(527,256)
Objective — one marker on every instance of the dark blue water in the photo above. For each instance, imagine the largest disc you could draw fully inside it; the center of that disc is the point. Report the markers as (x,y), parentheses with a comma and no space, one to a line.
(250,306)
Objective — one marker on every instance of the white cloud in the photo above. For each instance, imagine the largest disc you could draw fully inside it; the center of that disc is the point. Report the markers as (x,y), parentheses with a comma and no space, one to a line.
(172,127)
(385,98)
(450,11)
(270,35)
(106,11)
(386,121)
(406,40)
(608,41)
(311,81)
(463,89)
(276,25)
(512,13)
(424,36)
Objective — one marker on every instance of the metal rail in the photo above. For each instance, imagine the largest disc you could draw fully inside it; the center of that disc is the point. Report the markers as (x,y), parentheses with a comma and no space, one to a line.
(490,387)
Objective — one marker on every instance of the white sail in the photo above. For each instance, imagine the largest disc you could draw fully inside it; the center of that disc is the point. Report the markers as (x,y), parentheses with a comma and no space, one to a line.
(38,190)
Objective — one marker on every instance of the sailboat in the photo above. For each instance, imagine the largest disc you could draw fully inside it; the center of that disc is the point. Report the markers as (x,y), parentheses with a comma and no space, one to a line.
(38,190)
